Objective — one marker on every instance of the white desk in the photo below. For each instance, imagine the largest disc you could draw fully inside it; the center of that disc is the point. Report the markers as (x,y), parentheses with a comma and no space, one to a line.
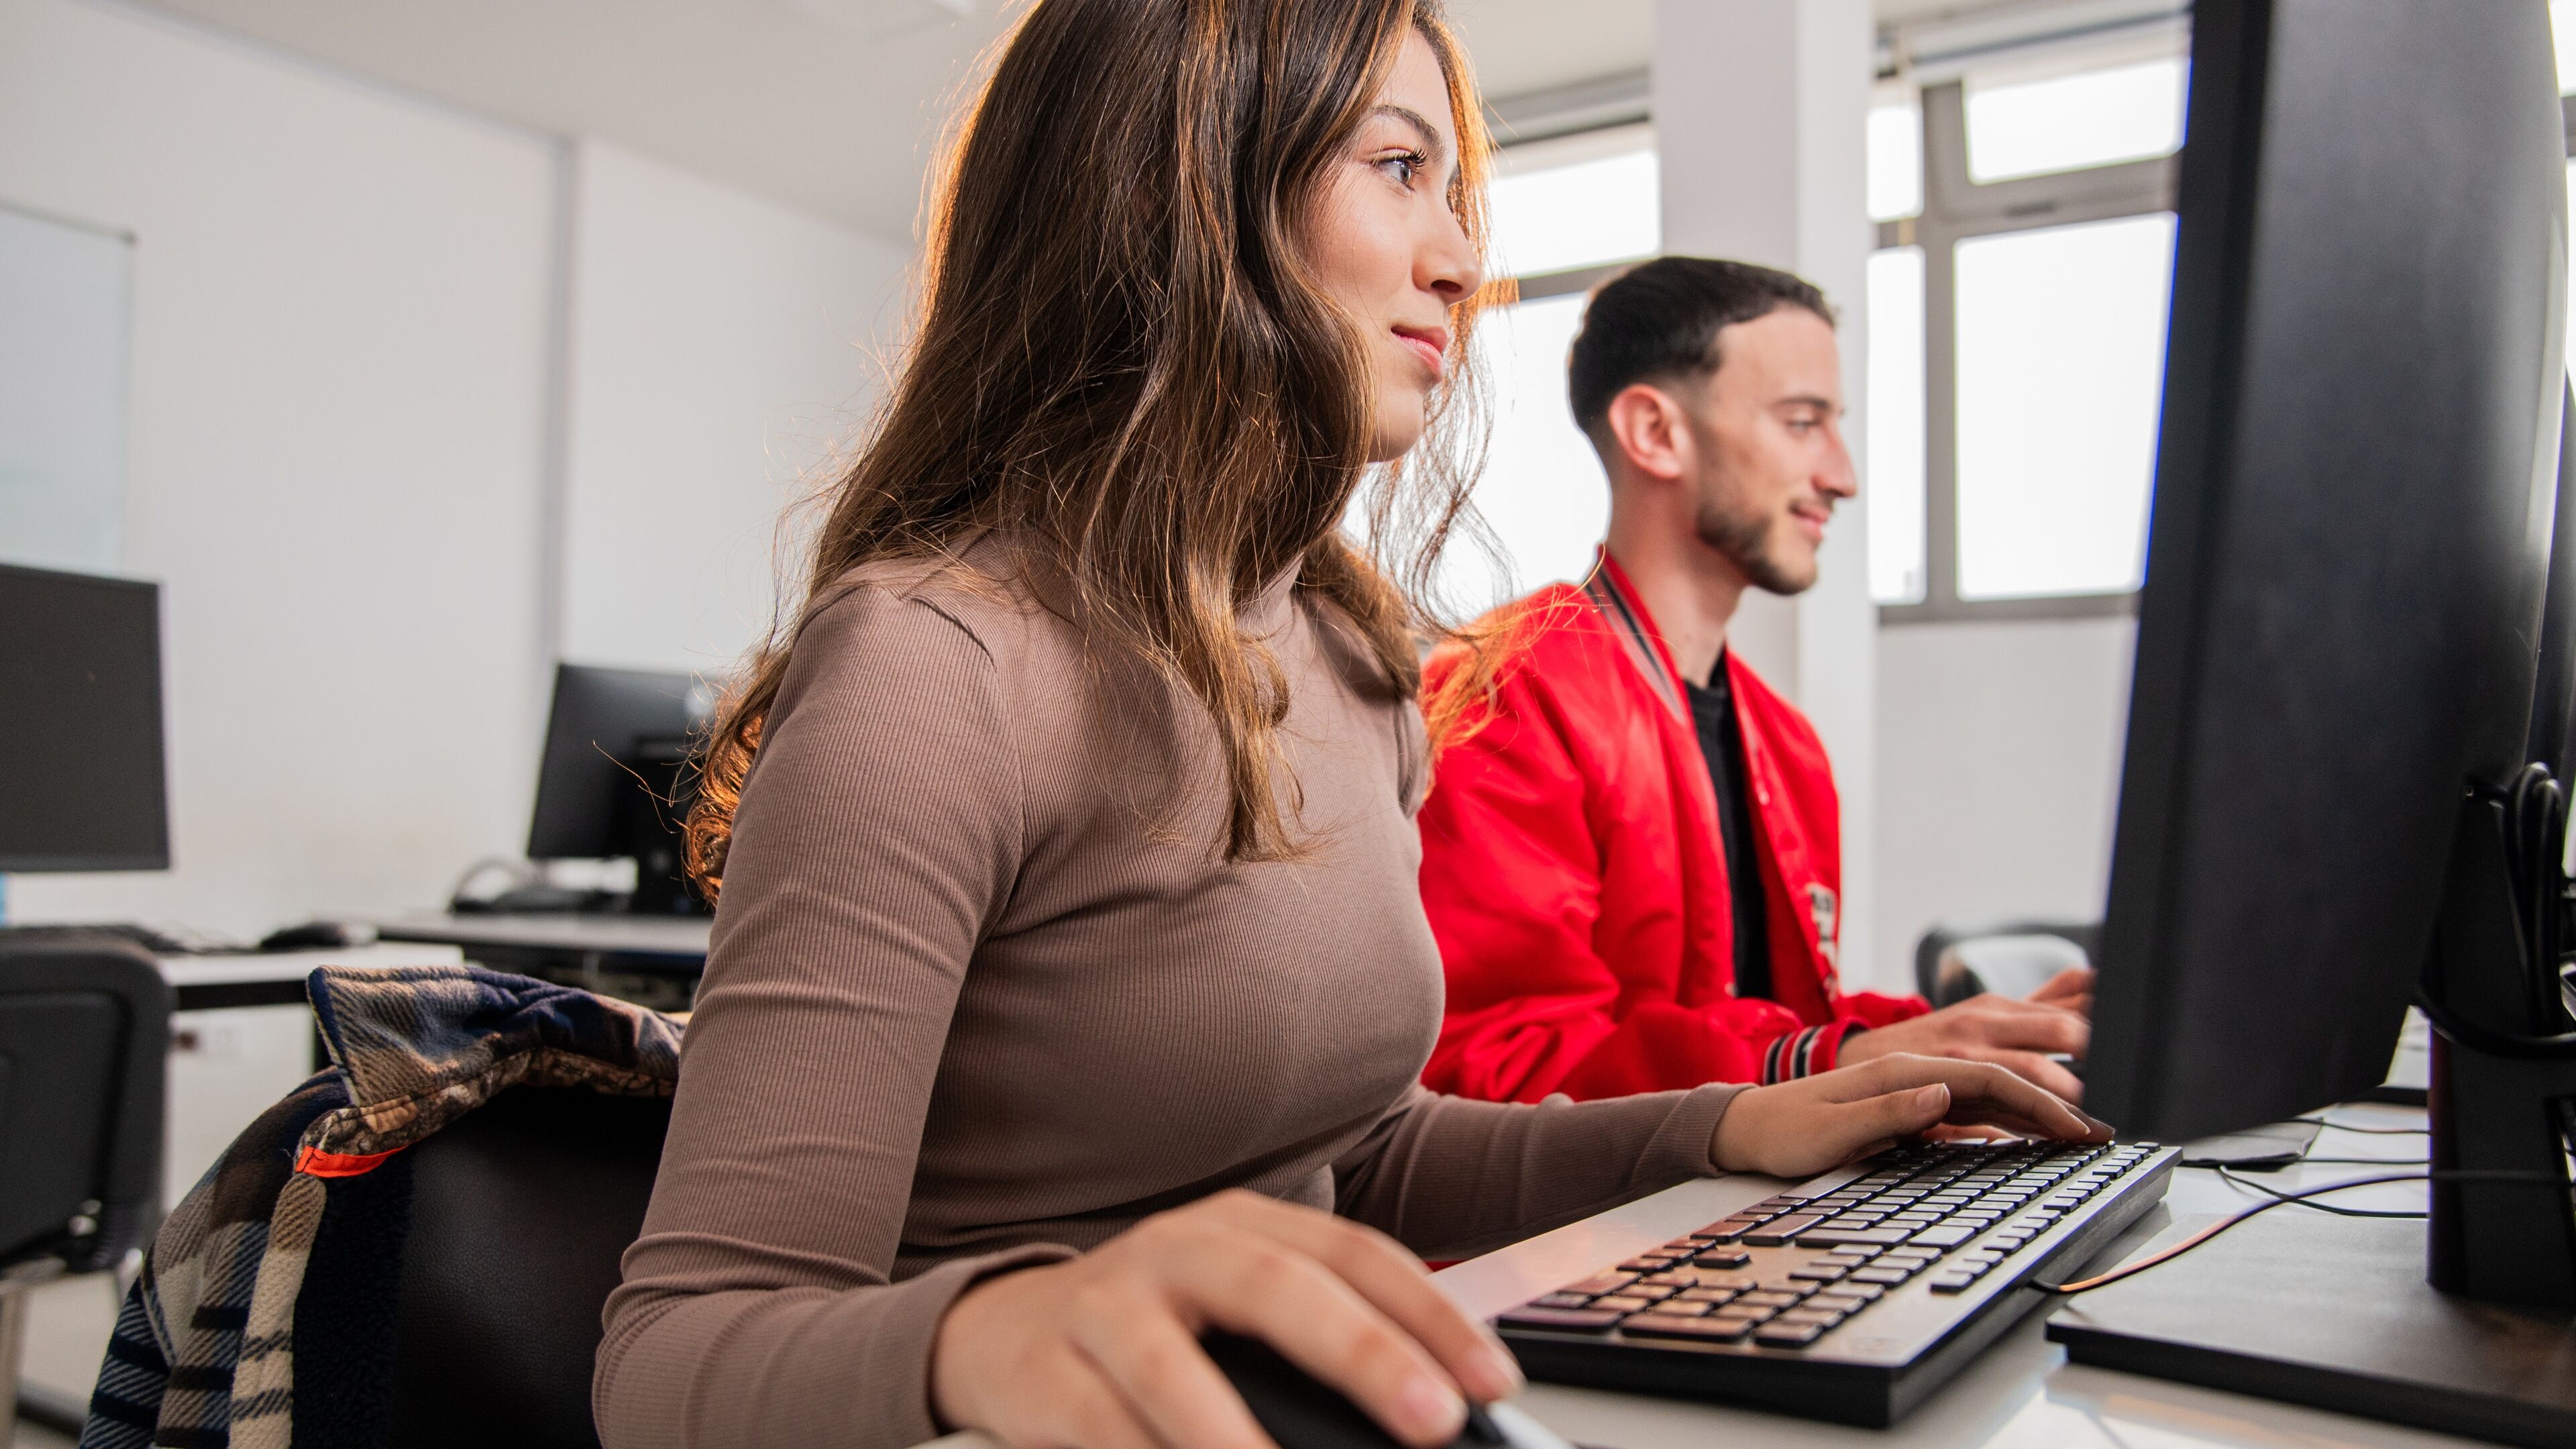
(276,978)
(2021,1394)
(680,940)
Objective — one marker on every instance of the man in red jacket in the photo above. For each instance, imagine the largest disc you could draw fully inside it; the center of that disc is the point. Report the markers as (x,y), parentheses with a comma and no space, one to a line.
(1632,856)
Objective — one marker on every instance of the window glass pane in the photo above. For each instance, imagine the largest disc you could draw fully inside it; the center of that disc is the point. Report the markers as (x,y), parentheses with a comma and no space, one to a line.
(2093,118)
(1894,487)
(2060,365)
(1896,160)
(1543,493)
(1595,210)
(2562,26)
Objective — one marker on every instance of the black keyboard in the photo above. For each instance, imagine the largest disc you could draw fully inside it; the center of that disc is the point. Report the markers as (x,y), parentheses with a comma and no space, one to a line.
(1852,1297)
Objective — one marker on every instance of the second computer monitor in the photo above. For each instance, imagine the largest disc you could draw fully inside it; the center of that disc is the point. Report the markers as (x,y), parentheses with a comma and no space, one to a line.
(2349,535)
(606,733)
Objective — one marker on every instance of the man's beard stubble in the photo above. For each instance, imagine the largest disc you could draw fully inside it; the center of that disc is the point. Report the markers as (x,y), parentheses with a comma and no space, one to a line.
(1744,538)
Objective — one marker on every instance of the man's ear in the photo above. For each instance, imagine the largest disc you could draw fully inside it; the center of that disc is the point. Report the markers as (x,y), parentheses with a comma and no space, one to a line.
(1644,424)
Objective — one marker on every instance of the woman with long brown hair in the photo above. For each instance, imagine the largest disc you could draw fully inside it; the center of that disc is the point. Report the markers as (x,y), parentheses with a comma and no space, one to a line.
(1069,978)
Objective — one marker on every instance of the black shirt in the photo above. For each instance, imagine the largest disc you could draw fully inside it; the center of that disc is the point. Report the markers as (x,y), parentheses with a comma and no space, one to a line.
(1721,740)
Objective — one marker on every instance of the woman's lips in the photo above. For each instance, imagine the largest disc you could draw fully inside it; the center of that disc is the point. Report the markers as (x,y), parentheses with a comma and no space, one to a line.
(1432,348)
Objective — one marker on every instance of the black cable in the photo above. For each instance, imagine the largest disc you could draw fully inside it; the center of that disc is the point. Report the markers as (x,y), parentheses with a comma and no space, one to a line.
(2341,1212)
(2167,1255)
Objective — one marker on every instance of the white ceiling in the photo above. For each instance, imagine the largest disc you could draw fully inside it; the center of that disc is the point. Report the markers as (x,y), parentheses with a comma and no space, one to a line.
(832,106)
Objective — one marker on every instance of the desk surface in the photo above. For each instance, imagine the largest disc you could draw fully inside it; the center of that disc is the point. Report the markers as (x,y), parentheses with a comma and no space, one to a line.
(673,936)
(256,967)
(2022,1394)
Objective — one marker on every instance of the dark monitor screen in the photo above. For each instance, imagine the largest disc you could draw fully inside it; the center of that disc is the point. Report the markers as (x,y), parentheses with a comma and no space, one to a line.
(607,731)
(2348,542)
(81,785)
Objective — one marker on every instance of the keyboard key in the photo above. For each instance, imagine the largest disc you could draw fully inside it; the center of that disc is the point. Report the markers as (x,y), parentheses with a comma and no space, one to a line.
(1781,1202)
(1795,1287)
(1560,1300)
(1821,1317)
(1681,1308)
(1780,1231)
(1601,1283)
(1578,1320)
(1787,1335)
(1746,1313)
(1623,1303)
(1953,1281)
(1723,1258)
(1819,1272)
(1761,1299)
(1645,1265)
(1842,1303)
(1865,1292)
(1827,1237)
(1948,1235)
(1850,1257)
(1708,1330)
(1730,1230)
(1706,1295)
(1887,1277)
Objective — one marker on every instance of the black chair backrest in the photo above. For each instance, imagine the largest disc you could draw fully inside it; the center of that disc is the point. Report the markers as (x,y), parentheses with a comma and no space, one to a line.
(84,1050)
(519,1213)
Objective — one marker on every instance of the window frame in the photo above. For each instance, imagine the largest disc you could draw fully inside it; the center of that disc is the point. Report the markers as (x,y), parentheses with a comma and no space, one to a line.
(1957,208)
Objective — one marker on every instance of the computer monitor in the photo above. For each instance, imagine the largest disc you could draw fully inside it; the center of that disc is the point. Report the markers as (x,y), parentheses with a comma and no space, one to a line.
(81,783)
(613,781)
(2325,809)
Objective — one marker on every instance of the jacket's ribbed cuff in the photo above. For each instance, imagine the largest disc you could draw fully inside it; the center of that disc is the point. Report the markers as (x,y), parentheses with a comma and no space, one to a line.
(1805,1053)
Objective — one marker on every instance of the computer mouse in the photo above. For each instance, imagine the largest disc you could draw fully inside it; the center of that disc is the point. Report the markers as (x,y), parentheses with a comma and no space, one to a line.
(1298,1412)
(318,936)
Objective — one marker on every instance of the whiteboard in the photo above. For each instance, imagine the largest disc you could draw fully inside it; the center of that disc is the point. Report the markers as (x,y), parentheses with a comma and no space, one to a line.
(66,328)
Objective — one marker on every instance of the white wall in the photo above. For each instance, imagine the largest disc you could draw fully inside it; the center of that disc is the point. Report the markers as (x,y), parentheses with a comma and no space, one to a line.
(1998,772)
(1759,110)
(351,379)
(336,455)
(723,347)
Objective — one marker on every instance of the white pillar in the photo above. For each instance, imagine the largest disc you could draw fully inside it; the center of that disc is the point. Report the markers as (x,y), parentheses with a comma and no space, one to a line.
(1761,110)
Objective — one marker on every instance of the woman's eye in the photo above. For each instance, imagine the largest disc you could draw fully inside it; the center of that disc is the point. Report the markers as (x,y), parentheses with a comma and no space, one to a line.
(1406,167)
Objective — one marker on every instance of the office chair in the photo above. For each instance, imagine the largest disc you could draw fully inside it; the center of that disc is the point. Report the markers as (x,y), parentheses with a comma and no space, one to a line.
(84,1045)
(2012,957)
(520,1212)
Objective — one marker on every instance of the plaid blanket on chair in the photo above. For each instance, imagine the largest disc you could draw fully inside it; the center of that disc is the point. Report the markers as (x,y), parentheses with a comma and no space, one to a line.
(205,1353)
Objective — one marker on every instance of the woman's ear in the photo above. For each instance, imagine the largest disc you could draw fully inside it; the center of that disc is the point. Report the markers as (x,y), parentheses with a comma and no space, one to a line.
(1646,424)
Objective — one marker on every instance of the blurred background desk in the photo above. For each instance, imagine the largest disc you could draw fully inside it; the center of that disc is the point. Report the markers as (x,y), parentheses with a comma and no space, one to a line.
(650,960)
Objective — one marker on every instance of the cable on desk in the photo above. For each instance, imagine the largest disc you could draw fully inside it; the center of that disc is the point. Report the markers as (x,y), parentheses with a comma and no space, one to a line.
(2370,1131)
(2284,1199)
(2341,1212)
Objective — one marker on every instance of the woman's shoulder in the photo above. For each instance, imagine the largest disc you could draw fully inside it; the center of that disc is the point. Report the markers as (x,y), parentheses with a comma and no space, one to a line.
(977,599)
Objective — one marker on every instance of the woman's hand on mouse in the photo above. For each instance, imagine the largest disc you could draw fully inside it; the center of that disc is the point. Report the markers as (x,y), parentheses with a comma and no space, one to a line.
(1102,1351)
(1798,1128)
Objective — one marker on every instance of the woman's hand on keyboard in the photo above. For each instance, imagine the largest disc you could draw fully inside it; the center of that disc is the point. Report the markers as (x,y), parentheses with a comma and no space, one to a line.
(1103,1350)
(1799,1128)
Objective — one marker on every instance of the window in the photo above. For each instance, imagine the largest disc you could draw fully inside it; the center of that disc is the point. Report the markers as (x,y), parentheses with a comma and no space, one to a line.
(1567,213)
(2016,351)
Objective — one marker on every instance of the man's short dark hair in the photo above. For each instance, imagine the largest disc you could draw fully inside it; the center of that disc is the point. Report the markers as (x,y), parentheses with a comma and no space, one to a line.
(1660,319)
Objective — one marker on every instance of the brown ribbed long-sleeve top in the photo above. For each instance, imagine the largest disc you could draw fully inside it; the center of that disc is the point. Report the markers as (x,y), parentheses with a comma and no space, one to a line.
(983,993)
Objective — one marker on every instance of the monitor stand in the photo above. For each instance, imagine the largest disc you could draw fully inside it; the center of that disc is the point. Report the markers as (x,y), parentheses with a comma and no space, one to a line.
(2464,1324)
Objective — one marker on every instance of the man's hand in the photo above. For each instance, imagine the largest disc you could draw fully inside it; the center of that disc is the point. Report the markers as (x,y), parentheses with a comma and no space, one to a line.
(1797,1129)
(2071,988)
(2014,1034)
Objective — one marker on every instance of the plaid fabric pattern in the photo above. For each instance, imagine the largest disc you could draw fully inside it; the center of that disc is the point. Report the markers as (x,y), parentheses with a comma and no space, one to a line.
(203,1354)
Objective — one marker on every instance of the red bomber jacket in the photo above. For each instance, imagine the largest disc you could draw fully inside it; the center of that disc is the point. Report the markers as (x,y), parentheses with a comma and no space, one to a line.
(1576,880)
